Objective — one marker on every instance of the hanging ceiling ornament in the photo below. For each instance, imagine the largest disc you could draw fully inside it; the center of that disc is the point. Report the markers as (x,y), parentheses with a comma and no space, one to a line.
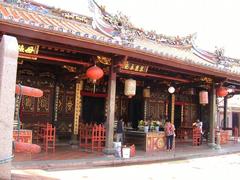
(147,92)
(203,97)
(222,91)
(130,87)
(94,73)
(171,89)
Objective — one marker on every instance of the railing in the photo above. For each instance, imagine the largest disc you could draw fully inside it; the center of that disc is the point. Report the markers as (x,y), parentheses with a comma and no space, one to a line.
(92,136)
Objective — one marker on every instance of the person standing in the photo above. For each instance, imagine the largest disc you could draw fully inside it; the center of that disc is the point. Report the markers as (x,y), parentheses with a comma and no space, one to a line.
(120,129)
(198,124)
(169,132)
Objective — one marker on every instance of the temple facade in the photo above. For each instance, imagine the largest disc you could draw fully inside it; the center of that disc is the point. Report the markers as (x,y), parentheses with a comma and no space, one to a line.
(171,77)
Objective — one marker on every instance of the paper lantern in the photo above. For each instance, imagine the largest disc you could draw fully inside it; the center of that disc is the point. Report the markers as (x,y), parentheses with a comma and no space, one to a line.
(94,73)
(222,91)
(203,97)
(171,89)
(130,87)
(146,92)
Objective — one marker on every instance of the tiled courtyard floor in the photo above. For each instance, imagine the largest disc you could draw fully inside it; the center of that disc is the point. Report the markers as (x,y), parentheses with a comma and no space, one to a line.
(67,157)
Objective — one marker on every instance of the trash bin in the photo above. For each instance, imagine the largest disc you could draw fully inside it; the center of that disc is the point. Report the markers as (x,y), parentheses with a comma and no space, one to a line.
(132,150)
(117,149)
(126,152)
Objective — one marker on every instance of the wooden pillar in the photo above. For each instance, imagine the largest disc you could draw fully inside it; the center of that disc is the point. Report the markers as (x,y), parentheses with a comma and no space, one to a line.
(145,110)
(77,112)
(172,108)
(8,72)
(213,116)
(225,112)
(56,99)
(200,113)
(182,115)
(110,111)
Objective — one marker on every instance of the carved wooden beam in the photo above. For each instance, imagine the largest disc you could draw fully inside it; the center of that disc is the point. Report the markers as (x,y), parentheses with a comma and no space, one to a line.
(57,59)
(153,75)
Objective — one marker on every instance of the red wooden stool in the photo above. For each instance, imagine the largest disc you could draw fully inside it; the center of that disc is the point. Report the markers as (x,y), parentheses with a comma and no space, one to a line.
(85,139)
(98,137)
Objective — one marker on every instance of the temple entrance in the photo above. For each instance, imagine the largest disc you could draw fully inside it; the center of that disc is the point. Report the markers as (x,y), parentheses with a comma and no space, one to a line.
(93,110)
(177,116)
(235,120)
(135,112)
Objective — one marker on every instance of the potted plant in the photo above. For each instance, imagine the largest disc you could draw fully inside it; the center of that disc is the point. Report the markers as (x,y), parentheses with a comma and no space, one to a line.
(146,126)
(141,124)
(156,125)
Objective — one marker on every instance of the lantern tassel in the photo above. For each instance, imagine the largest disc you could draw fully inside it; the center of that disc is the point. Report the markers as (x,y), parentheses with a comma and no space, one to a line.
(94,88)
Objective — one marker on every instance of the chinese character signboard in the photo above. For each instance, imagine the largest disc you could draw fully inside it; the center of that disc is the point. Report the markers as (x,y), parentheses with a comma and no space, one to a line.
(26,49)
(135,67)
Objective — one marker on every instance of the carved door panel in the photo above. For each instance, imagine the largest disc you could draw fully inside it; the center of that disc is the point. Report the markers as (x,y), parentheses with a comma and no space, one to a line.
(44,106)
(66,105)
(190,114)
(155,110)
(27,113)
(37,109)
(121,107)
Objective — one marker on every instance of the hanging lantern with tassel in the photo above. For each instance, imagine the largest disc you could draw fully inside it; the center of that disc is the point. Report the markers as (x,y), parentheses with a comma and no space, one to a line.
(203,97)
(146,92)
(222,91)
(130,87)
(94,73)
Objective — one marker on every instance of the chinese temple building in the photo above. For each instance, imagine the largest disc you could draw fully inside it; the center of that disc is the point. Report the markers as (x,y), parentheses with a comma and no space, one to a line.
(169,77)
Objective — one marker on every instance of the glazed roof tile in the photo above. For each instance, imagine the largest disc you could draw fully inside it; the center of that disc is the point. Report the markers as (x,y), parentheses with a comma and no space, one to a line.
(11,13)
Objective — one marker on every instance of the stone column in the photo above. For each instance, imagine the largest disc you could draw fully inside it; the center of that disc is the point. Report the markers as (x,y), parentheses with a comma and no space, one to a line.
(110,111)
(8,71)
(213,111)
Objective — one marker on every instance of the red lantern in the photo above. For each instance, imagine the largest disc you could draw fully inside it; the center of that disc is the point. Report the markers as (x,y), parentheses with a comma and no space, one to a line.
(28,91)
(94,73)
(222,91)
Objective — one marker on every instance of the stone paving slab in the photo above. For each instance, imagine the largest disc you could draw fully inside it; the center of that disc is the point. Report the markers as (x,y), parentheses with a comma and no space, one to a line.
(140,158)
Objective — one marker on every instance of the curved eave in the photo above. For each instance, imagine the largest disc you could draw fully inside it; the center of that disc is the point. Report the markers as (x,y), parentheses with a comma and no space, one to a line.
(79,41)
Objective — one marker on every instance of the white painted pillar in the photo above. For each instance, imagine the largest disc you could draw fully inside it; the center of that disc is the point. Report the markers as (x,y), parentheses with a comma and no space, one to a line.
(8,71)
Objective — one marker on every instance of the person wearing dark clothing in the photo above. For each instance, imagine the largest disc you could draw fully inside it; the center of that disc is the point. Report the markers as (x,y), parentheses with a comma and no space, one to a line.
(120,130)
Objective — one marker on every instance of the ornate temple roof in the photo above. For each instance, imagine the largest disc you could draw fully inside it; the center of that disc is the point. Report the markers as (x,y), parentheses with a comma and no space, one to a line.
(116,31)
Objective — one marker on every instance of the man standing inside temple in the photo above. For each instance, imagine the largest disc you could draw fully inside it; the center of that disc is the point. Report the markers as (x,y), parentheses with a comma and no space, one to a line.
(120,129)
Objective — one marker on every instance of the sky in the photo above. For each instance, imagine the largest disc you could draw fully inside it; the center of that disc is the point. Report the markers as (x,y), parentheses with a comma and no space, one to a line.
(216,22)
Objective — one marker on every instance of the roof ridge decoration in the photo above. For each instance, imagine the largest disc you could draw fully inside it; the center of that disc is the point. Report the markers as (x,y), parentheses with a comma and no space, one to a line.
(217,57)
(225,61)
(31,5)
(120,28)
(146,43)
